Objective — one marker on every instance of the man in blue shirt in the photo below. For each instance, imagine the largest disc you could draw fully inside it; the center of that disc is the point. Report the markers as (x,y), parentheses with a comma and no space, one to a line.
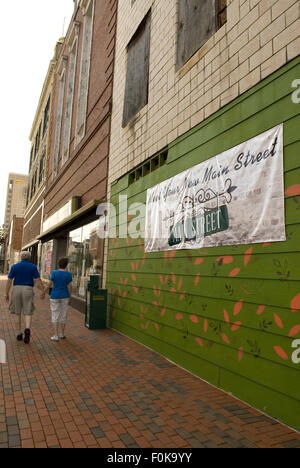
(23,275)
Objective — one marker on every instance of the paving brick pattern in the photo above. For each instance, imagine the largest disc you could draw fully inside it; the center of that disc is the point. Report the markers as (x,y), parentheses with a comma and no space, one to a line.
(100,389)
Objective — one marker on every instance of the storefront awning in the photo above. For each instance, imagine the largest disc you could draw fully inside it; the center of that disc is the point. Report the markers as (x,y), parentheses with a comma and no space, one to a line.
(86,213)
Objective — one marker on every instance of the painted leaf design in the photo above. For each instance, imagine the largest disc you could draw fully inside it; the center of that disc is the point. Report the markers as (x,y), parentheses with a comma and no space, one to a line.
(205,325)
(260,310)
(295,303)
(293,190)
(179,317)
(278,321)
(281,353)
(182,296)
(172,254)
(179,284)
(199,261)
(240,355)
(199,341)
(226,316)
(225,338)
(238,307)
(194,318)
(173,278)
(226,260)
(248,255)
(234,272)
(294,331)
(163,312)
(197,279)
(236,326)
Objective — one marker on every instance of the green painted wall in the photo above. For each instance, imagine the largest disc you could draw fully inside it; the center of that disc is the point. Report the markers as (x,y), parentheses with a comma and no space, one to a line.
(229,314)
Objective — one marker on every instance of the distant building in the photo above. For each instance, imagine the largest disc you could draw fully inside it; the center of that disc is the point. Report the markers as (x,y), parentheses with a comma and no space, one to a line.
(13,242)
(13,220)
(16,198)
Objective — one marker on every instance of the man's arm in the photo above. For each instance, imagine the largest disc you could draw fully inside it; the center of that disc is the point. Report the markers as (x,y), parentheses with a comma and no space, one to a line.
(39,284)
(70,289)
(7,290)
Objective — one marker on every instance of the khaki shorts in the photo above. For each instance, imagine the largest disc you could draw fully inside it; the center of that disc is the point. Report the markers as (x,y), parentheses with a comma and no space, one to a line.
(22,301)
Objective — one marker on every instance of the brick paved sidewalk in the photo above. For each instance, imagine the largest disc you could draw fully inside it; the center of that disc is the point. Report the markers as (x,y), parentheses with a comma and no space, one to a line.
(100,389)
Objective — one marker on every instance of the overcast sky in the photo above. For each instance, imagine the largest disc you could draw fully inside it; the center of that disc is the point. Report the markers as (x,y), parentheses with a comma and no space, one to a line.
(28,34)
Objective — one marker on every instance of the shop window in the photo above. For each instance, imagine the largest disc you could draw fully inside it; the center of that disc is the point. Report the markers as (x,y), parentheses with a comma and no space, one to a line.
(46,259)
(137,78)
(198,21)
(85,253)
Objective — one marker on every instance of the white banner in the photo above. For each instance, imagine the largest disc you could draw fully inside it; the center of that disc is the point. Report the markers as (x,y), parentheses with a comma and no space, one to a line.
(234,198)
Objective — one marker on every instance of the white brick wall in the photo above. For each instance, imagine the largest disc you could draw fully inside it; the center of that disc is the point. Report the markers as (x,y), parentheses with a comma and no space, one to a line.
(260,36)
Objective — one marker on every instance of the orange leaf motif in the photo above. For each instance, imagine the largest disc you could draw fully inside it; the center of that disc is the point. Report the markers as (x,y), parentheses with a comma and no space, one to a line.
(260,309)
(295,303)
(225,338)
(182,296)
(248,256)
(194,318)
(197,279)
(236,326)
(199,261)
(234,272)
(240,355)
(293,191)
(237,308)
(199,341)
(226,316)
(294,331)
(281,353)
(278,321)
(226,260)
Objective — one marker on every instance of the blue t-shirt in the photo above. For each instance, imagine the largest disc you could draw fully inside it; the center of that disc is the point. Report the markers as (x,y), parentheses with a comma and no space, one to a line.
(24,273)
(60,280)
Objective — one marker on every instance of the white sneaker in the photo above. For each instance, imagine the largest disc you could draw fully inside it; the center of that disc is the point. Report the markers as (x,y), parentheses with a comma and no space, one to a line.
(54,338)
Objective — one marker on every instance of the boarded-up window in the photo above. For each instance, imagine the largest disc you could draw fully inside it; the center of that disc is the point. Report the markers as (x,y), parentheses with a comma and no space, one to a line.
(198,20)
(137,79)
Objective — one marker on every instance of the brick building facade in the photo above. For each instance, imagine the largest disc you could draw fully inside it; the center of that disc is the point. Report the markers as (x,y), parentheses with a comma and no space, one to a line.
(39,155)
(77,168)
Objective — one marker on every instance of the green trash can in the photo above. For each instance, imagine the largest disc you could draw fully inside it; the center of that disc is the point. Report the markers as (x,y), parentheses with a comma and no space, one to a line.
(96,305)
